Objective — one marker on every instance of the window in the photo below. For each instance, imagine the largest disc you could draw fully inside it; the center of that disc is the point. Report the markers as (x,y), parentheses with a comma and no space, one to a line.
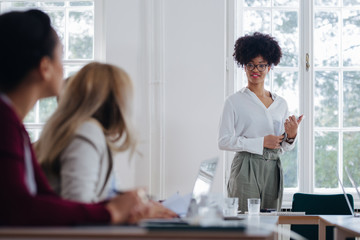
(74,22)
(336,92)
(324,32)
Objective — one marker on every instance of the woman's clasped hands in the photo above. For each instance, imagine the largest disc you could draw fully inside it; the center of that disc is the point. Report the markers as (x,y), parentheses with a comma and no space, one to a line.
(291,127)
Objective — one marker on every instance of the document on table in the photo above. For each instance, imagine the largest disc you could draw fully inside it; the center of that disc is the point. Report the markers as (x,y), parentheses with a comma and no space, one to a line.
(178,204)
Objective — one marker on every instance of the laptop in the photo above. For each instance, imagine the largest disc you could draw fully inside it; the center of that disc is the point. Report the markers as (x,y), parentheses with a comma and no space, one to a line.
(203,183)
(353,183)
(202,186)
(346,198)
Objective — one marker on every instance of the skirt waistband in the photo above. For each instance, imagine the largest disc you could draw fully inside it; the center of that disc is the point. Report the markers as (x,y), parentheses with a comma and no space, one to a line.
(268,154)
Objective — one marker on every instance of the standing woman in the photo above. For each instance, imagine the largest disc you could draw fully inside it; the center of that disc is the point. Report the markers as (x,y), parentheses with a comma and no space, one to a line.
(31,69)
(253,124)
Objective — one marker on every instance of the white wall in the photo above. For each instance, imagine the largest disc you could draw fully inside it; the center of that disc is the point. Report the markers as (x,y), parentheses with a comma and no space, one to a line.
(121,23)
(174,50)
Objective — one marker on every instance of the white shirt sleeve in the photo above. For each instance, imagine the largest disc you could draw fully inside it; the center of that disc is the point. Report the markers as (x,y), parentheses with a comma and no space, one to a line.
(285,145)
(229,141)
(80,166)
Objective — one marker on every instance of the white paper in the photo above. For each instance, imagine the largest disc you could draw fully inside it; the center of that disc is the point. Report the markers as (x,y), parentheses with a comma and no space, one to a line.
(178,204)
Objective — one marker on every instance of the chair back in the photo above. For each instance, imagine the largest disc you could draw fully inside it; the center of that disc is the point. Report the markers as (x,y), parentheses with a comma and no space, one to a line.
(334,204)
(317,204)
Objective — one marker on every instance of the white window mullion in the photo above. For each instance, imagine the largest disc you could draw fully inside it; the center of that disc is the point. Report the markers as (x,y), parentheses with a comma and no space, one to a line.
(37,112)
(340,156)
(99,31)
(232,80)
(306,156)
(66,34)
(341,100)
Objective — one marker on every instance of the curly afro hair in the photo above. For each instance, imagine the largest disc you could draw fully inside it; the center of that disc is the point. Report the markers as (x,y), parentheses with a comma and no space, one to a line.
(249,47)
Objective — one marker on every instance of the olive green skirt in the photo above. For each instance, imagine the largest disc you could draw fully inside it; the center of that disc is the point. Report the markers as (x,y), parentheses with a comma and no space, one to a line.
(257,176)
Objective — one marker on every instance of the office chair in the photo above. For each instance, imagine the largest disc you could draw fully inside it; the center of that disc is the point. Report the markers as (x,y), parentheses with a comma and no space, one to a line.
(316,204)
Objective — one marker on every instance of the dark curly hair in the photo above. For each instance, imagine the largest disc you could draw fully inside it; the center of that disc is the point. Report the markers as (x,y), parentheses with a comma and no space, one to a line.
(249,47)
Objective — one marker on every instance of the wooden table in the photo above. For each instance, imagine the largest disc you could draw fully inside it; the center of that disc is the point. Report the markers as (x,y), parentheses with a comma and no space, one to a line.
(345,225)
(305,219)
(257,228)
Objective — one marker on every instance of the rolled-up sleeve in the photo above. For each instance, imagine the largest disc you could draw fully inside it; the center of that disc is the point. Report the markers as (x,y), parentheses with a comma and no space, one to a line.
(285,145)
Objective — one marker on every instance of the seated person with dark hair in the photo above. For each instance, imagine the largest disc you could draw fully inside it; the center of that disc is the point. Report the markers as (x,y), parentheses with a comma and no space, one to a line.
(31,69)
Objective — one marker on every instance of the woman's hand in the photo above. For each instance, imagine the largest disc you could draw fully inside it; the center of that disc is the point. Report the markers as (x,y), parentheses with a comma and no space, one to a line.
(125,205)
(157,210)
(151,210)
(291,126)
(131,207)
(272,141)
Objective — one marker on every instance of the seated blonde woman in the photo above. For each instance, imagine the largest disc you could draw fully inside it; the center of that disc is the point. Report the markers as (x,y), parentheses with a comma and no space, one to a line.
(77,144)
(26,199)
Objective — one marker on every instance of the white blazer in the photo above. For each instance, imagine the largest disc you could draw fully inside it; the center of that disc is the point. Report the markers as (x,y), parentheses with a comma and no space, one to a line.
(85,171)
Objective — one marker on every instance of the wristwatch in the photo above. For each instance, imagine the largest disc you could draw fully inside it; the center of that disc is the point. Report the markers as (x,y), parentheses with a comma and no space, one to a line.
(288,140)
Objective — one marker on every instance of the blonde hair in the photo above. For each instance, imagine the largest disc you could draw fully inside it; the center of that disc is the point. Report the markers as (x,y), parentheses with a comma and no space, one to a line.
(100,91)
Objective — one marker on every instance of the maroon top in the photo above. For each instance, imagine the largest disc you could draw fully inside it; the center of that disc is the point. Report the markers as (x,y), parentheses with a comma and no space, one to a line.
(17,205)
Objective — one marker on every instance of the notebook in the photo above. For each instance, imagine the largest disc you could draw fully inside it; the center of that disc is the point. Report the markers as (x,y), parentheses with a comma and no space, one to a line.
(201,187)
(347,199)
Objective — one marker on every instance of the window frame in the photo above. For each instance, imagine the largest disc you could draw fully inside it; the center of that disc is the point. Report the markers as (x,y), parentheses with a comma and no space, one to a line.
(306,157)
(99,46)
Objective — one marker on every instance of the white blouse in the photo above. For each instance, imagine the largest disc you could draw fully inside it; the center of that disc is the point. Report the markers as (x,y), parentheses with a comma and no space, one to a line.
(245,122)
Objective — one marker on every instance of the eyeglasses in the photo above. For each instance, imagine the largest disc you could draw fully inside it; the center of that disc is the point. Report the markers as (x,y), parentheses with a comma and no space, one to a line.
(260,67)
